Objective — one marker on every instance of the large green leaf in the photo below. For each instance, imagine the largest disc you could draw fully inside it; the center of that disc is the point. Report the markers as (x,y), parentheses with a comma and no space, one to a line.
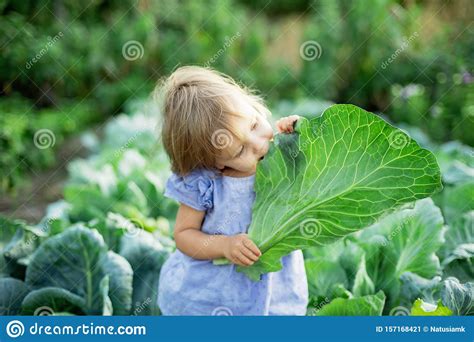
(456,162)
(17,252)
(414,286)
(52,300)
(460,232)
(12,292)
(411,238)
(335,175)
(146,255)
(363,284)
(458,297)
(107,306)
(7,230)
(323,277)
(458,251)
(457,200)
(371,305)
(421,308)
(77,260)
(460,263)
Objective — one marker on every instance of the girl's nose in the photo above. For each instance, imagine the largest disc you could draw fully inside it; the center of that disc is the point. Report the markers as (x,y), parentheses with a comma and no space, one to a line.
(267,133)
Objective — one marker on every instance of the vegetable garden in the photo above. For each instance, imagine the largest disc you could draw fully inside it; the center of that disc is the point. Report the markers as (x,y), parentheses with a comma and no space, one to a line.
(379,234)
(378,193)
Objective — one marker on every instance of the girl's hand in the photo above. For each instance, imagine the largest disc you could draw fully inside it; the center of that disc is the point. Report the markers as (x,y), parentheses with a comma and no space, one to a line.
(240,250)
(285,125)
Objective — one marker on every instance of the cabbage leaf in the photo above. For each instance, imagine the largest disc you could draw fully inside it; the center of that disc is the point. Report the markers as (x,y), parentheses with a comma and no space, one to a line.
(335,175)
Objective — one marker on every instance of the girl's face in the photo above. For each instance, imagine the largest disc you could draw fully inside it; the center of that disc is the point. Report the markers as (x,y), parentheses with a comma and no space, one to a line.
(243,156)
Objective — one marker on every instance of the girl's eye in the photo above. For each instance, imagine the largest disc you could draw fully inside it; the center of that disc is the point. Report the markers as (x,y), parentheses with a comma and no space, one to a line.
(241,152)
(255,125)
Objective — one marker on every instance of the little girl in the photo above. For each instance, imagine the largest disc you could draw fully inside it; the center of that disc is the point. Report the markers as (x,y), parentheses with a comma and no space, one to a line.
(215,132)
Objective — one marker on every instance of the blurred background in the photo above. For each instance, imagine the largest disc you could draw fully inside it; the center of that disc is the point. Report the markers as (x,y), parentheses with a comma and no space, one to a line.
(70,66)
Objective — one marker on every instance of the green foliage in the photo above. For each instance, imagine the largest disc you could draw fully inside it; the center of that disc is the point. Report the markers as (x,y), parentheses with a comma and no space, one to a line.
(111,242)
(126,177)
(82,254)
(99,281)
(21,141)
(413,253)
(450,293)
(12,292)
(421,251)
(146,256)
(396,256)
(371,305)
(169,33)
(410,254)
(57,300)
(405,241)
(420,308)
(446,116)
(354,43)
(278,7)
(371,58)
(71,66)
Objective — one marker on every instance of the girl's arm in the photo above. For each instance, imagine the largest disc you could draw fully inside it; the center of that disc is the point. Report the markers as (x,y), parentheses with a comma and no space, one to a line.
(190,240)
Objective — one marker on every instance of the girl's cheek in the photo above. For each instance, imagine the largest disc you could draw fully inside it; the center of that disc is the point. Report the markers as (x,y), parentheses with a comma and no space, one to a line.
(269,131)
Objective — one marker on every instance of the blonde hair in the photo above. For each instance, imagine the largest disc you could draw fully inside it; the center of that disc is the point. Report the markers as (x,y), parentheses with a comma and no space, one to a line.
(198,103)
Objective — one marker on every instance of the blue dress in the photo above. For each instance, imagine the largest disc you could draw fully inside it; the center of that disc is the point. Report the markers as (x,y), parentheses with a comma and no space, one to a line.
(190,286)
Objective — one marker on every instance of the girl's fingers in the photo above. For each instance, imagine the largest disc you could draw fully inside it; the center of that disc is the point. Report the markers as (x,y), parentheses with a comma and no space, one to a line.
(279,127)
(285,126)
(244,260)
(249,254)
(253,247)
(236,261)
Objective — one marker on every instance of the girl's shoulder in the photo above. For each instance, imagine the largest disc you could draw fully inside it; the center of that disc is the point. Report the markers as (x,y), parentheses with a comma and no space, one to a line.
(195,189)
(201,173)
